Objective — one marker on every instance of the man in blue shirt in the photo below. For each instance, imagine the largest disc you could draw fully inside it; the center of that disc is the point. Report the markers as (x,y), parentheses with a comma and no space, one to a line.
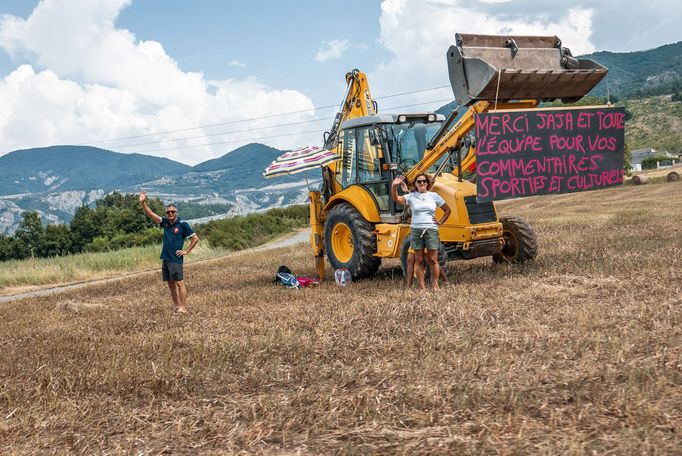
(175,231)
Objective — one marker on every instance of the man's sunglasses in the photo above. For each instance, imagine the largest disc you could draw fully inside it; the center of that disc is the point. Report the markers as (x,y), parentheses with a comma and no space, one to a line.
(421,181)
(170,212)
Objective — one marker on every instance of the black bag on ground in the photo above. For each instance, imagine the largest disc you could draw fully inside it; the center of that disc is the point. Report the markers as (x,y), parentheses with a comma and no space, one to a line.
(285,277)
(280,270)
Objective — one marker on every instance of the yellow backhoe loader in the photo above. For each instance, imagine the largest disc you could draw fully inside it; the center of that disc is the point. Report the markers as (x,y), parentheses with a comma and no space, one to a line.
(353,219)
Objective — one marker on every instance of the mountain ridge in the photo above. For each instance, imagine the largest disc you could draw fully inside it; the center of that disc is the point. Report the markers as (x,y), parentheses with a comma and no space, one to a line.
(77,168)
(639,70)
(56,180)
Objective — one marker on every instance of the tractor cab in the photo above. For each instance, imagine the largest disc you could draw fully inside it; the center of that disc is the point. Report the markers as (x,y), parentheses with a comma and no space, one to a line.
(375,149)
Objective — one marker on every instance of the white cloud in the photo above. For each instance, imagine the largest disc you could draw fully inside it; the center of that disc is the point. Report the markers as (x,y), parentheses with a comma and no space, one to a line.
(88,80)
(333,49)
(419,33)
(237,63)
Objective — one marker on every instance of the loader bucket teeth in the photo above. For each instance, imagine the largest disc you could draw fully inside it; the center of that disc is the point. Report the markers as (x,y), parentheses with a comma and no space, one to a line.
(502,68)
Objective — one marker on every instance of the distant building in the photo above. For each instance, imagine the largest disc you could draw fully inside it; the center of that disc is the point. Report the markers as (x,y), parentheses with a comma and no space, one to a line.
(640,154)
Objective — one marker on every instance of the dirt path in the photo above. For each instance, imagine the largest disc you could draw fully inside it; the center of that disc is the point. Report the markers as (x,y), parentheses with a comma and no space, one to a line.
(286,241)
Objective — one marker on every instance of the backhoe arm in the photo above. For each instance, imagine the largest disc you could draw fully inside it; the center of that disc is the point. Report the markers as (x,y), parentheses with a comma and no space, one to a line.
(356,103)
(453,137)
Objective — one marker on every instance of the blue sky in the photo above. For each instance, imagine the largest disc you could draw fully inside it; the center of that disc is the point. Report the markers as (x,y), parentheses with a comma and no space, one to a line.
(275,41)
(80,71)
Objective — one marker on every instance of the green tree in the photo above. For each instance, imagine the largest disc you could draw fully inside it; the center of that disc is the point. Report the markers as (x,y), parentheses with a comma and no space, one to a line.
(107,219)
(114,199)
(132,220)
(83,228)
(9,248)
(115,217)
(120,213)
(628,159)
(29,234)
(56,241)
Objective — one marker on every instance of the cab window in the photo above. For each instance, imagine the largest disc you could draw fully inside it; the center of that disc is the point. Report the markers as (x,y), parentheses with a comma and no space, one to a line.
(369,167)
(347,144)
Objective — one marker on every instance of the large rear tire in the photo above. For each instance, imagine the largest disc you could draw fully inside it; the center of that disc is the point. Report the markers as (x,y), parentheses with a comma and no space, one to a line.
(349,242)
(520,241)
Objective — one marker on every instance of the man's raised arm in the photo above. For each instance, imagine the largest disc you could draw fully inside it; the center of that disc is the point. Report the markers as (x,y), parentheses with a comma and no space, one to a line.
(145,208)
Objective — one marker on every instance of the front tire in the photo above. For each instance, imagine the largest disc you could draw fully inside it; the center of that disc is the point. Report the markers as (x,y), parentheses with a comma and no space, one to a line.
(350,243)
(520,241)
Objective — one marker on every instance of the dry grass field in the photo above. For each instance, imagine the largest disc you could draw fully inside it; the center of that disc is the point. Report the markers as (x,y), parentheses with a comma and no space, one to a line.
(577,353)
(19,276)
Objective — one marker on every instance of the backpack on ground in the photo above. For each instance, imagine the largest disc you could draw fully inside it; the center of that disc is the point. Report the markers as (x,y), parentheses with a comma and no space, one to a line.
(286,278)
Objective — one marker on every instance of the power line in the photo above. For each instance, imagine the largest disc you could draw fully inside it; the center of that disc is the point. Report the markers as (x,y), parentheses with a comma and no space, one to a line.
(279,135)
(253,118)
(260,128)
(208,126)
(224,133)
(235,141)
(443,100)
(412,92)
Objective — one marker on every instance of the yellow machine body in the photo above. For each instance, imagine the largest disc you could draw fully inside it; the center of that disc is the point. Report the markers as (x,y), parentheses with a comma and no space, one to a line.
(353,219)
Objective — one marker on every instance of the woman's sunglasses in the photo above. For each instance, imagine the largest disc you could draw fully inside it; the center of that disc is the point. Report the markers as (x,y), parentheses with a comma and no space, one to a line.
(421,181)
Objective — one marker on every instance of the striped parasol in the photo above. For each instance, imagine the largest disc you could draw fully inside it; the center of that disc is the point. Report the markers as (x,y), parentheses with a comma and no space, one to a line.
(298,160)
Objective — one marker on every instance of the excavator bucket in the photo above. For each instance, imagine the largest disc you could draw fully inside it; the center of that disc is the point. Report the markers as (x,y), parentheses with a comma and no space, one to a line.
(501,68)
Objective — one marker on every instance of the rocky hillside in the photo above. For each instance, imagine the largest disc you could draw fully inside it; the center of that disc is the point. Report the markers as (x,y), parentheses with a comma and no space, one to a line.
(64,168)
(55,181)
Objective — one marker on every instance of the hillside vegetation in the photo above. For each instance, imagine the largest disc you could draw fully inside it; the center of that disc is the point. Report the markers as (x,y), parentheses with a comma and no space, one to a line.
(47,169)
(576,353)
(650,122)
(656,122)
(641,73)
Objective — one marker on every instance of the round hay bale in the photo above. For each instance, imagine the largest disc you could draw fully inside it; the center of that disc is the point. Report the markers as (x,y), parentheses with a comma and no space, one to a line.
(640,179)
(673,176)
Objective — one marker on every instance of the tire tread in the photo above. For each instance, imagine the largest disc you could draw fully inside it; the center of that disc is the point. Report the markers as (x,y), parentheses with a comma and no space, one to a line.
(528,248)
(364,264)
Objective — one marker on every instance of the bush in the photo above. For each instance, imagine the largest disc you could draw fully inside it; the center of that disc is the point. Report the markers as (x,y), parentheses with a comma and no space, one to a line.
(122,240)
(241,232)
(117,222)
(650,162)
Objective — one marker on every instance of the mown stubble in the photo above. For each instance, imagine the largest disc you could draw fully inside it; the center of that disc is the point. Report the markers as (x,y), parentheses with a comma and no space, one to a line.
(578,352)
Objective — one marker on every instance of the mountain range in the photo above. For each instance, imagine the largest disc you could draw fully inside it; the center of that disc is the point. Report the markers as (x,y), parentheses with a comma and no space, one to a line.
(56,180)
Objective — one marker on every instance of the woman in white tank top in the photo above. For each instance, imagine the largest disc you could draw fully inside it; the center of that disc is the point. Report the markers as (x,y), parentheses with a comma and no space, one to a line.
(424,226)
